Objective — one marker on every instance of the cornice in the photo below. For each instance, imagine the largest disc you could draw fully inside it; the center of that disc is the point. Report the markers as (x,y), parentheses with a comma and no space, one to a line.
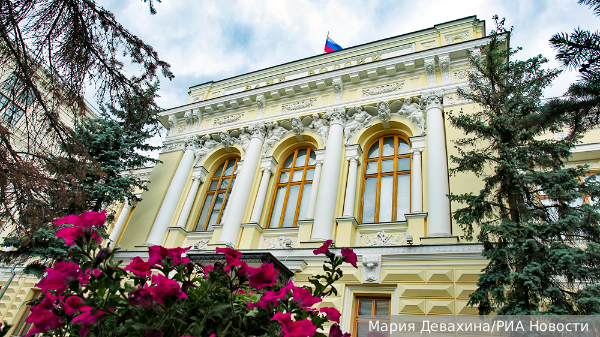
(247,97)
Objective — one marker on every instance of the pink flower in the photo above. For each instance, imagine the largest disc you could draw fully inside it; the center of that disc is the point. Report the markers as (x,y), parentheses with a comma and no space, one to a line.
(142,297)
(304,297)
(92,272)
(324,249)
(42,317)
(207,269)
(331,313)
(84,221)
(271,297)
(165,287)
(349,256)
(139,267)
(264,276)
(73,304)
(158,253)
(303,328)
(60,277)
(232,257)
(87,318)
(335,331)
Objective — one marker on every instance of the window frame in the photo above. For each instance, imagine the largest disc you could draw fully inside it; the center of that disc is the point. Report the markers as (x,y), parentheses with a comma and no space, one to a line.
(303,182)
(374,297)
(394,173)
(23,326)
(215,192)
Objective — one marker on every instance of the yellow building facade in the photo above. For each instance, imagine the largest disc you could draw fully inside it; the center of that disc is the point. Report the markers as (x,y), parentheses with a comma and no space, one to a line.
(351,146)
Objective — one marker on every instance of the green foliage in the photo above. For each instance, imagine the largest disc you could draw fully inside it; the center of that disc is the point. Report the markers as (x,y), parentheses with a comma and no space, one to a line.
(541,241)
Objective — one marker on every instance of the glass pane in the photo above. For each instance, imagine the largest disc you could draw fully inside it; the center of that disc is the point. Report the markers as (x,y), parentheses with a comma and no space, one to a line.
(388,146)
(403,199)
(382,307)
(385,199)
(312,159)
(224,184)
(205,210)
(403,147)
(369,200)
(290,208)
(304,203)
(219,170)
(362,329)
(213,185)
(288,161)
(387,166)
(232,183)
(374,151)
(403,164)
(284,177)
(372,167)
(277,206)
(310,174)
(301,159)
(365,307)
(214,214)
(297,176)
(229,169)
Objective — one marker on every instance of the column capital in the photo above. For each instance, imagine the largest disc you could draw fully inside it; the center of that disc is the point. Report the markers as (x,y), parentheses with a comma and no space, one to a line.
(240,163)
(416,151)
(336,116)
(417,141)
(126,204)
(199,173)
(268,163)
(258,130)
(433,100)
(353,152)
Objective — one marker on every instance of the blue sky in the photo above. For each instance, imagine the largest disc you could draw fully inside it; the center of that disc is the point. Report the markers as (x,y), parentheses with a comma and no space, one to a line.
(215,39)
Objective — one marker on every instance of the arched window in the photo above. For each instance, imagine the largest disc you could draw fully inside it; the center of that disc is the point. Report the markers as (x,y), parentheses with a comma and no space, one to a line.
(217,195)
(293,188)
(386,195)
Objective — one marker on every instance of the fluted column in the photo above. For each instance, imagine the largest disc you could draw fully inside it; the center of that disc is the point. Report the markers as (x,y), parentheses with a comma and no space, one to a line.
(328,186)
(314,192)
(243,184)
(438,205)
(167,209)
(198,178)
(114,235)
(267,167)
(417,144)
(353,153)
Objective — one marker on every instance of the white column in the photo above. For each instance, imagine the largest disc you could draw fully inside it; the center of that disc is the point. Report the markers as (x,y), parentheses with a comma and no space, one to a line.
(198,178)
(314,192)
(353,153)
(328,186)
(267,166)
(417,144)
(243,184)
(114,235)
(438,205)
(167,209)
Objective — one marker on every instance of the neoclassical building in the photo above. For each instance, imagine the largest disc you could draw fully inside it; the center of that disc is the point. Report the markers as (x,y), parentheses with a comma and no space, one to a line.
(351,146)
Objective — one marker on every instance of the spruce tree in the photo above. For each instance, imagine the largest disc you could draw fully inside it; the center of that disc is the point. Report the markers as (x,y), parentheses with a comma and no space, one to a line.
(541,240)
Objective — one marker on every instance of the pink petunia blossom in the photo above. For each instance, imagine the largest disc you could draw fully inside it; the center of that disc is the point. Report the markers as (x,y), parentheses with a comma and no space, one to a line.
(272,297)
(165,287)
(142,297)
(335,331)
(87,318)
(139,267)
(158,253)
(331,313)
(264,276)
(349,256)
(232,257)
(84,221)
(73,304)
(302,328)
(304,297)
(60,277)
(42,315)
(324,249)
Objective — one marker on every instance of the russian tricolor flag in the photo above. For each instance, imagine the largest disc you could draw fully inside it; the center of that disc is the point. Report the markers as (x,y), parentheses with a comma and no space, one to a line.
(330,45)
